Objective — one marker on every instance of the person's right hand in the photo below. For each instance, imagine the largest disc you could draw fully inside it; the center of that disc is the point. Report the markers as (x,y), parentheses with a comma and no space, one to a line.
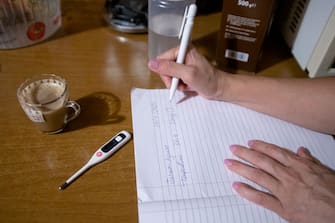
(196,74)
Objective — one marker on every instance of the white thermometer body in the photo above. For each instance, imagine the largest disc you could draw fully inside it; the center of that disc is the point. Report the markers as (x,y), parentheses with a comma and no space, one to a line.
(105,151)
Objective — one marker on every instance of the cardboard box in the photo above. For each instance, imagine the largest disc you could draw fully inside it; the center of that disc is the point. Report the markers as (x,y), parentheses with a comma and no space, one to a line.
(244,26)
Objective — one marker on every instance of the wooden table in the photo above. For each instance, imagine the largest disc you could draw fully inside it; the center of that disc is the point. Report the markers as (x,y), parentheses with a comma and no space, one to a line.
(101,66)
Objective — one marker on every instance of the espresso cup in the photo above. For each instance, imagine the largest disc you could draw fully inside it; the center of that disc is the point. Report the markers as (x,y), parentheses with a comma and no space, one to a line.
(45,100)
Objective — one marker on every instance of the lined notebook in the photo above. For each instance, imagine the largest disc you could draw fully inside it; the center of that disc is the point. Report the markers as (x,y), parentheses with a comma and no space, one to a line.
(180,146)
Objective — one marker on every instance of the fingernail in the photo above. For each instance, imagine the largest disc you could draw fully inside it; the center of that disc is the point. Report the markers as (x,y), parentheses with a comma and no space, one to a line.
(236,185)
(251,143)
(233,148)
(228,162)
(153,64)
(305,150)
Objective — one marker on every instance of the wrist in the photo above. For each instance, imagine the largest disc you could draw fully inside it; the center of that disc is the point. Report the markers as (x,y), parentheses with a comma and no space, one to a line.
(222,86)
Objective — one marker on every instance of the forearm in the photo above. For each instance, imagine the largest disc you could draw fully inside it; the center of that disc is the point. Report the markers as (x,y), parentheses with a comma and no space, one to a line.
(306,102)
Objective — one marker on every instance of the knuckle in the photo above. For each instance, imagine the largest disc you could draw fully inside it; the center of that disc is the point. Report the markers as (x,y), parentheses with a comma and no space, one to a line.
(258,176)
(294,216)
(165,67)
(260,199)
(191,74)
(261,161)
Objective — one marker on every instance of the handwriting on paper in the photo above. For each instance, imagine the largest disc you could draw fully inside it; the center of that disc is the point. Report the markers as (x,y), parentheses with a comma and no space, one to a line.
(173,158)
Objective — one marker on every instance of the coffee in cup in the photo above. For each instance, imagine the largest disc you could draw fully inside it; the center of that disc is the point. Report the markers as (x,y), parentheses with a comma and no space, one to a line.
(44,98)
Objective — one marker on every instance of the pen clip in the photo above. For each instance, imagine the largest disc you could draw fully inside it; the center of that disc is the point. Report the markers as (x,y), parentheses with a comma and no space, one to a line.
(183,23)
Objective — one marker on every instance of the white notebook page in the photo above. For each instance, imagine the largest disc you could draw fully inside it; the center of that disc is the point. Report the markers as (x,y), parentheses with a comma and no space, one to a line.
(179,151)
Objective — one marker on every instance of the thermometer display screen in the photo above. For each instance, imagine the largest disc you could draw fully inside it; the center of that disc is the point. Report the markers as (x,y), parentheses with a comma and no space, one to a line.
(113,143)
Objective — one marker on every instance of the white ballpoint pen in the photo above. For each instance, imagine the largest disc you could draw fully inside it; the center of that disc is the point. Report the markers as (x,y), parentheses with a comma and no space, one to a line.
(185,38)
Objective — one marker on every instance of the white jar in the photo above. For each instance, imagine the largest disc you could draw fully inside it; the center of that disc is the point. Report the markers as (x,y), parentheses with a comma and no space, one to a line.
(26,22)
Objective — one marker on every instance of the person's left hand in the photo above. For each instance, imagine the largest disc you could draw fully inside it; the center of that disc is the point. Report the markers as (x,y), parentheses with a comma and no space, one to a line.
(301,189)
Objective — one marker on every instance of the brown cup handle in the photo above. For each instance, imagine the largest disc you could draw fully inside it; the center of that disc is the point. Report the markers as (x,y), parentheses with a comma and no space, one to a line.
(75,107)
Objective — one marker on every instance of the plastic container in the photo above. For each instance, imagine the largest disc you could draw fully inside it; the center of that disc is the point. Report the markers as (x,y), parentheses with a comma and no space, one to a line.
(164,21)
(26,22)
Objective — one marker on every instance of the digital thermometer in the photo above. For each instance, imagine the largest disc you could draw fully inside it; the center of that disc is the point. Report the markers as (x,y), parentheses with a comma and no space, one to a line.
(100,155)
